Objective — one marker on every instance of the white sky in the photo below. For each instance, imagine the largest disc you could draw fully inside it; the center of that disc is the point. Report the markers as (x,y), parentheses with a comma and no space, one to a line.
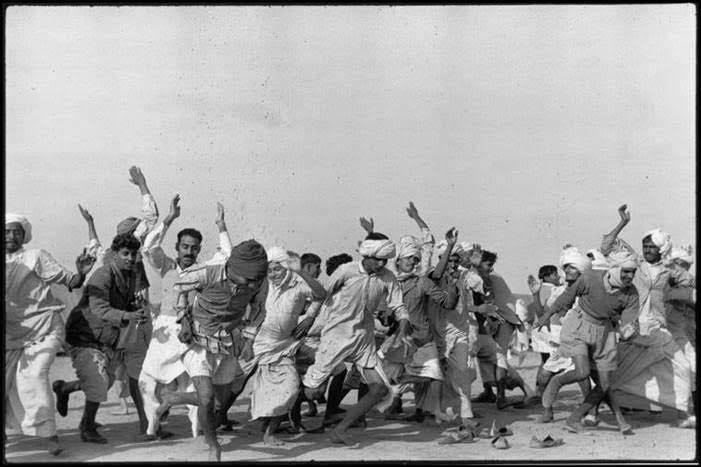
(524,126)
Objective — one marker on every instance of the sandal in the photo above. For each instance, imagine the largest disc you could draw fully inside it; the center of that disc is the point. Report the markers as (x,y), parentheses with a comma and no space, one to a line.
(461,435)
(500,443)
(547,442)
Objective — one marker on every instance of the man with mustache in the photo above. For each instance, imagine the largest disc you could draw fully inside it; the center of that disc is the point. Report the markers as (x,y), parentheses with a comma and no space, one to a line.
(34,329)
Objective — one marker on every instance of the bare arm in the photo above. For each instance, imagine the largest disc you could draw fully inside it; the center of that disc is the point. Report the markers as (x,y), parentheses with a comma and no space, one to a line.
(318,290)
(224,239)
(609,239)
(451,236)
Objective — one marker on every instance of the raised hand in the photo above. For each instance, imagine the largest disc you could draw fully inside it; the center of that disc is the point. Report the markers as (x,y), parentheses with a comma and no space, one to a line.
(412,211)
(533,284)
(220,216)
(367,225)
(174,212)
(451,236)
(136,176)
(84,263)
(86,215)
(623,213)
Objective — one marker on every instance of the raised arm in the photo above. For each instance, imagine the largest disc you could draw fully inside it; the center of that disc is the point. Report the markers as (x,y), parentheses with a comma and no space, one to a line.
(609,239)
(149,209)
(224,239)
(367,225)
(152,247)
(318,290)
(451,238)
(50,271)
(414,214)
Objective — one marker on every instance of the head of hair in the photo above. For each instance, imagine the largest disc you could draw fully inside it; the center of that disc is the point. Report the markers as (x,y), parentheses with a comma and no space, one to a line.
(489,257)
(546,271)
(309,258)
(376,236)
(125,240)
(190,233)
(335,261)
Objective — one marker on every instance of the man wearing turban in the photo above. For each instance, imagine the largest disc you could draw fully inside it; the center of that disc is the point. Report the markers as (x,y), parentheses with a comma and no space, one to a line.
(603,299)
(34,329)
(355,292)
(275,379)
(653,280)
(211,306)
(421,365)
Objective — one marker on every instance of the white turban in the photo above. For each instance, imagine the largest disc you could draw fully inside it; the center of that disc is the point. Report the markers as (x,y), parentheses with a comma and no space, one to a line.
(408,246)
(663,240)
(442,246)
(277,254)
(623,259)
(571,255)
(599,261)
(26,226)
(382,249)
(683,253)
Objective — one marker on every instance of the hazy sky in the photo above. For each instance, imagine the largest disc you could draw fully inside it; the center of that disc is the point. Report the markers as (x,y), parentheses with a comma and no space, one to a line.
(524,126)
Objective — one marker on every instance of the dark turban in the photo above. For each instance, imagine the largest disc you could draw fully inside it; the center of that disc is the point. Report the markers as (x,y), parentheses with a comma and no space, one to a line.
(249,260)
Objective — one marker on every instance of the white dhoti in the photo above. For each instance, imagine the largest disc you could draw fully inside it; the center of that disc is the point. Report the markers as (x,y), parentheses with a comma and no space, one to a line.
(29,399)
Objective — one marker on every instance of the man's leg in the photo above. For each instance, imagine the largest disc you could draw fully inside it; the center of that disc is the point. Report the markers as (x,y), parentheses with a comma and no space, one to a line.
(269,437)
(205,402)
(376,391)
(580,372)
(486,356)
(336,394)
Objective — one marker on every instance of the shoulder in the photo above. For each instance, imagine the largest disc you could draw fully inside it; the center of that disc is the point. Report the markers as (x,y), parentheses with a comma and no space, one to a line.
(102,275)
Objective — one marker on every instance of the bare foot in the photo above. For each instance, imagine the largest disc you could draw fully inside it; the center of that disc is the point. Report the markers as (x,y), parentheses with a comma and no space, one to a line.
(53,446)
(123,408)
(214,454)
(272,440)
(338,438)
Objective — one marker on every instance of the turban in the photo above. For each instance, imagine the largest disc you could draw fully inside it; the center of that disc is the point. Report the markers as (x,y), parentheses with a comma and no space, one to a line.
(574,257)
(408,246)
(128,225)
(614,277)
(278,255)
(382,249)
(26,226)
(249,260)
(599,261)
(442,246)
(623,259)
(662,239)
(683,253)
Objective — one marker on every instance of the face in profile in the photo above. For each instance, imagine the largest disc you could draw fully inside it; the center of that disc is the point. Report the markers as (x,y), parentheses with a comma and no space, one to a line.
(313,269)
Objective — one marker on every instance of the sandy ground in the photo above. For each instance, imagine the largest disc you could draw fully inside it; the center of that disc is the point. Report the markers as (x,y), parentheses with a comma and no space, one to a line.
(656,436)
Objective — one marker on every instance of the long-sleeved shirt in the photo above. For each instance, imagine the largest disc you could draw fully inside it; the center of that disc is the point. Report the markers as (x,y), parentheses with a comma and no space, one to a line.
(651,281)
(283,305)
(417,292)
(149,217)
(29,304)
(598,299)
(101,312)
(219,304)
(354,295)
(168,268)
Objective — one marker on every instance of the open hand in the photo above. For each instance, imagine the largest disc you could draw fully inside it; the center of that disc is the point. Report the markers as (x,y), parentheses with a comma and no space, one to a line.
(533,284)
(412,211)
(136,176)
(174,212)
(367,225)
(84,262)
(451,236)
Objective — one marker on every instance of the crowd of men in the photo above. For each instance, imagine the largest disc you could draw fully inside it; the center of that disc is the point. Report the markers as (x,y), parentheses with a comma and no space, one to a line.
(408,316)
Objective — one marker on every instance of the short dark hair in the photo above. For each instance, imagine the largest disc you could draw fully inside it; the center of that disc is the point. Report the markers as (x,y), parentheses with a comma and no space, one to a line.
(546,271)
(309,258)
(335,261)
(190,233)
(125,240)
(489,257)
(376,236)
